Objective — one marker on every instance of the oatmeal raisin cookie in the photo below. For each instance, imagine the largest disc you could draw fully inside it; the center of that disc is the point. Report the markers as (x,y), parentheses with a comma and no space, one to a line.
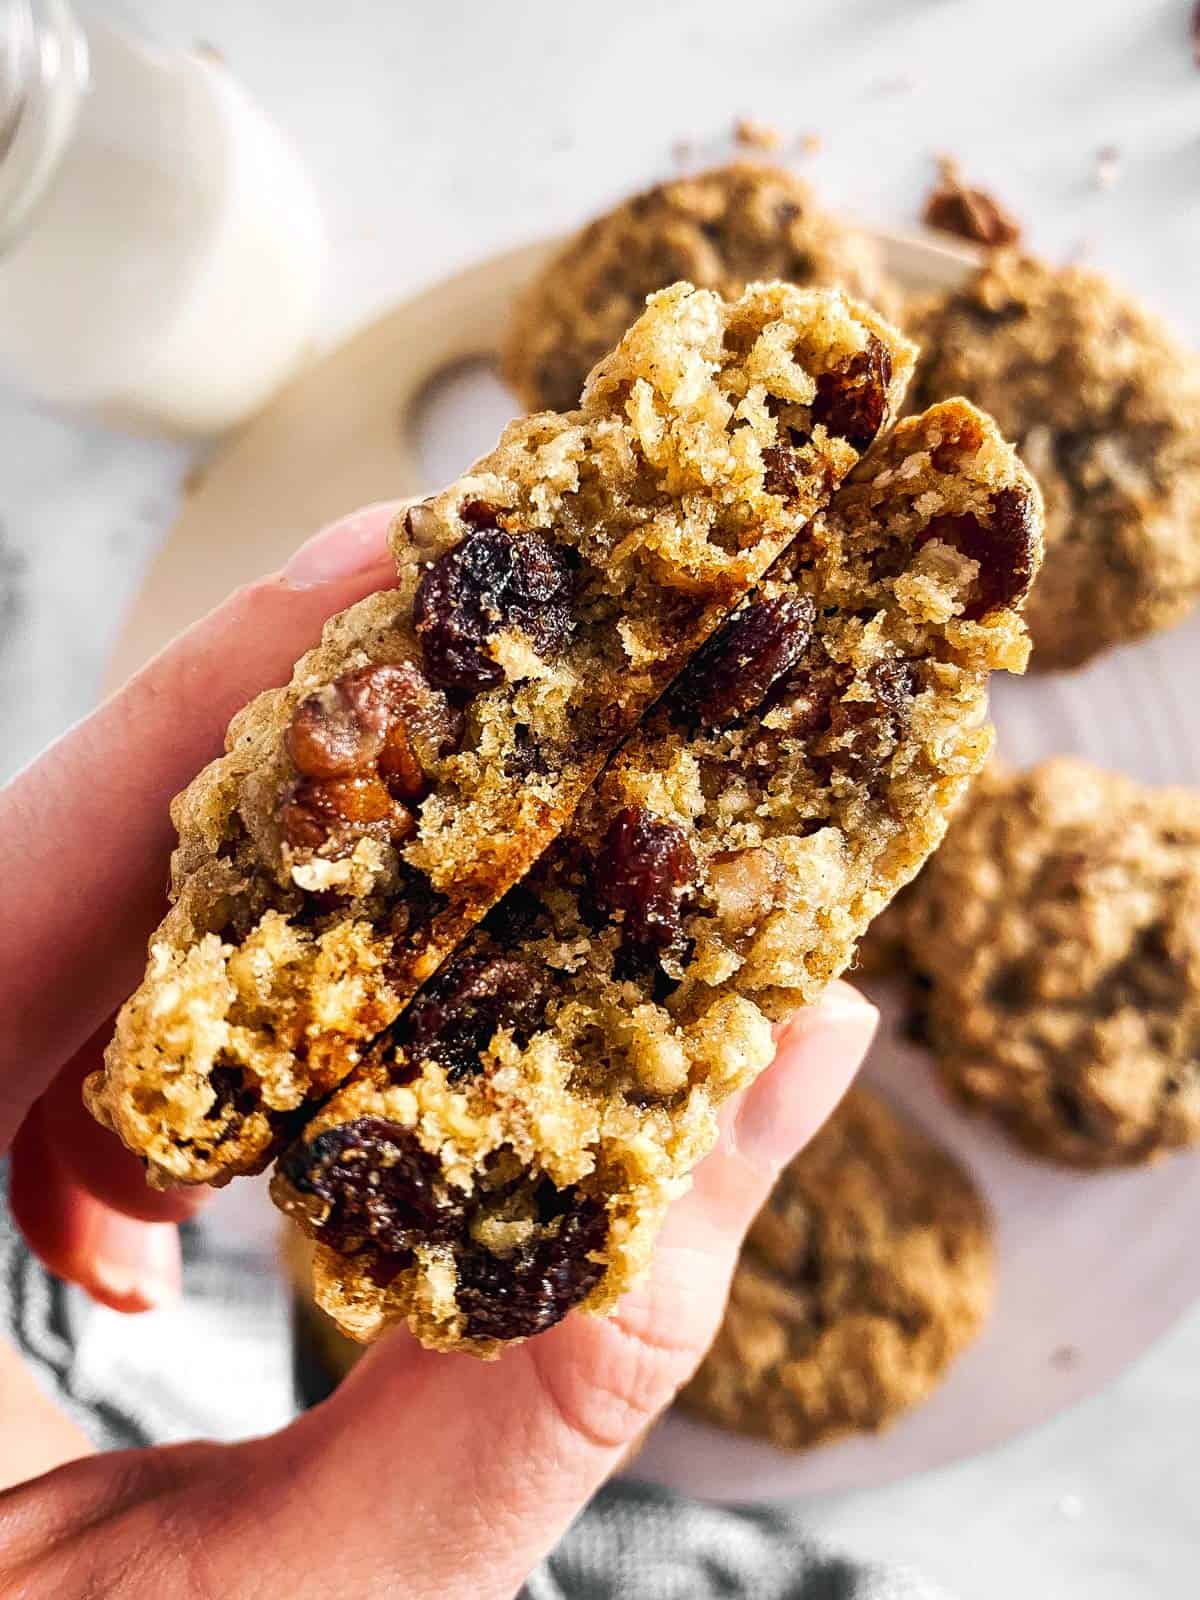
(510,1148)
(721,230)
(425,753)
(866,1274)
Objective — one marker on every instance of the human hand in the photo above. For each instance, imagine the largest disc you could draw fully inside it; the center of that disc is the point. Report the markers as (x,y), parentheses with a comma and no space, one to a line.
(427,1475)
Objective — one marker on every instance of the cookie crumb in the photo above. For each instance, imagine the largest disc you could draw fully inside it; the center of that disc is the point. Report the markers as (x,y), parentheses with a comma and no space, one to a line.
(811,144)
(955,207)
(1108,166)
(752,134)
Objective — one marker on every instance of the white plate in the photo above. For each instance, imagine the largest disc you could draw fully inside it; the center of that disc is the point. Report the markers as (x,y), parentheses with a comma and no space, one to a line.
(1091,1268)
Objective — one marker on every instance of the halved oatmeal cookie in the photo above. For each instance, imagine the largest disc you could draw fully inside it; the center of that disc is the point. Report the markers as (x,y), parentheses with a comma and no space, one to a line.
(440,735)
(510,1148)
(738,224)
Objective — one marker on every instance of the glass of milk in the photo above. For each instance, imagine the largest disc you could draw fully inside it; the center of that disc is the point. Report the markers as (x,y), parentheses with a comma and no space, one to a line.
(161,248)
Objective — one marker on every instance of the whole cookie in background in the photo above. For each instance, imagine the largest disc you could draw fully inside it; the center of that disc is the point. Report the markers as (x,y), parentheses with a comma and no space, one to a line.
(1104,406)
(1055,944)
(867,1272)
(718,230)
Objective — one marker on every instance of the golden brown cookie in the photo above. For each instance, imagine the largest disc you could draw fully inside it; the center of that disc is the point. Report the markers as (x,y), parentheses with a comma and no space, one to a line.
(1055,944)
(721,230)
(868,1271)
(510,1150)
(1104,406)
(423,756)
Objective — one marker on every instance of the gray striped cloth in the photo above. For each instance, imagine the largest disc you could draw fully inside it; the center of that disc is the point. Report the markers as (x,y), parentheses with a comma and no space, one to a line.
(125,1381)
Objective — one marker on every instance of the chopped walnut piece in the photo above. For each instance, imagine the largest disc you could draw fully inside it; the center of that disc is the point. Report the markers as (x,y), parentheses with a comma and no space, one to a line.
(971,213)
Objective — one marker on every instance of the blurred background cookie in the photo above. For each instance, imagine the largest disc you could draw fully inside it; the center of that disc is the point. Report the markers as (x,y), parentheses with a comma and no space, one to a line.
(867,1272)
(1054,943)
(1104,406)
(718,230)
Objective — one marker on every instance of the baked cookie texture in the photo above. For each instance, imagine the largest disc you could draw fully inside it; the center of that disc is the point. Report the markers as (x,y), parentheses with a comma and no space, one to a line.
(510,1149)
(424,754)
(1054,947)
(1104,406)
(738,224)
(866,1274)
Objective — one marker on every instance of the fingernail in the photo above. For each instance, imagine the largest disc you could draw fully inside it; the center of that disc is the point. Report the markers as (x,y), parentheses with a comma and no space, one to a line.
(820,1049)
(351,545)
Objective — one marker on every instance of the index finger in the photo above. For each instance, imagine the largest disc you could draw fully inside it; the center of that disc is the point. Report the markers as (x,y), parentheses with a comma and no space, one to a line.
(85,835)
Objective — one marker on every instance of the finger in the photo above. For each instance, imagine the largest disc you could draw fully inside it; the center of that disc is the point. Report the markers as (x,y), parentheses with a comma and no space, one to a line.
(85,831)
(98,1162)
(820,1048)
(510,1452)
(127,1265)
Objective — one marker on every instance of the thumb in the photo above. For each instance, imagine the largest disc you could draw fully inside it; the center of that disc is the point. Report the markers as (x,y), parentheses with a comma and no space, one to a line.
(510,1451)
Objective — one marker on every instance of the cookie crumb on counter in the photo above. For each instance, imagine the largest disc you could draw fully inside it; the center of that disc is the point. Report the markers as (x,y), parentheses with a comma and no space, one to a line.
(956,207)
(752,134)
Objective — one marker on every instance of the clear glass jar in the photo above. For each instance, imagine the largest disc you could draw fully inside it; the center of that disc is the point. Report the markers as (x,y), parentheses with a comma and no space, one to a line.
(161,247)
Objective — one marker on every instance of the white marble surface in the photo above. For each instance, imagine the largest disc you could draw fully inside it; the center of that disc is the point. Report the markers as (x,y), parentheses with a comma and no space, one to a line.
(440,133)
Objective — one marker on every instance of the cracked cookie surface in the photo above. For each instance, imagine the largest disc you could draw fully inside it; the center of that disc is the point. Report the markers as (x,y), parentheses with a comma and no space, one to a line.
(1103,404)
(1055,944)
(739,224)
(424,754)
(510,1150)
(867,1272)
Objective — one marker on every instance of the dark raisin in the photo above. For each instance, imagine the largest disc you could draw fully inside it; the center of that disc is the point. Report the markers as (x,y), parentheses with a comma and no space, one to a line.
(781,470)
(417,903)
(732,674)
(339,730)
(852,402)
(1004,548)
(645,872)
(801,704)
(459,1010)
(529,1290)
(864,733)
(490,581)
(380,1186)
(232,1093)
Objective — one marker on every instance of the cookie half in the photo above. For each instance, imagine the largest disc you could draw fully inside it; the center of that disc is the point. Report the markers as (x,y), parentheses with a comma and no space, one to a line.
(739,224)
(1054,942)
(427,751)
(510,1150)
(866,1274)
(1103,404)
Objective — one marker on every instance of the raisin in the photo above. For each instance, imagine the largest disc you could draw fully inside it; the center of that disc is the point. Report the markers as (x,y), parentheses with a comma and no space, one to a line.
(527,1291)
(1004,549)
(459,1010)
(734,671)
(491,580)
(645,871)
(801,704)
(380,1186)
(232,1093)
(865,733)
(781,470)
(852,401)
